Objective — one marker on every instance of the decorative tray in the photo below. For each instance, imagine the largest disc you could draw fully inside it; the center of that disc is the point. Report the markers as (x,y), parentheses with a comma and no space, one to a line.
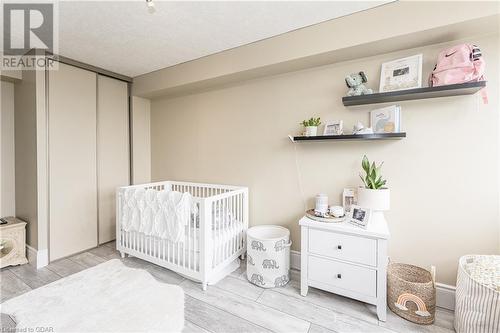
(327,219)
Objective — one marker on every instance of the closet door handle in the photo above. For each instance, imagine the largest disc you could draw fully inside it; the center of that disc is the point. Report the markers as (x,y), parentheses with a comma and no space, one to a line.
(339,276)
(339,247)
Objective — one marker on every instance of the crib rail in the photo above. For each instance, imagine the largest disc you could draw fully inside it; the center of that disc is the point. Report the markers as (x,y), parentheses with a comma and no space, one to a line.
(229,210)
(214,238)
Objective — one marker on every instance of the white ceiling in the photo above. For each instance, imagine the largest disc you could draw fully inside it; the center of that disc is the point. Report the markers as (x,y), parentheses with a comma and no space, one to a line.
(123,37)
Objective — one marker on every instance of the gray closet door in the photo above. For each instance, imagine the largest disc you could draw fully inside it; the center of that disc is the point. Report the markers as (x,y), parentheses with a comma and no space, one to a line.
(72,161)
(112,150)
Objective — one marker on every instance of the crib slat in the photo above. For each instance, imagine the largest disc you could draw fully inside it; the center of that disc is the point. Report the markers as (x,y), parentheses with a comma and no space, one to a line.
(233,237)
(178,254)
(143,243)
(240,218)
(221,231)
(195,241)
(183,254)
(225,230)
(169,256)
(189,239)
(221,216)
(238,236)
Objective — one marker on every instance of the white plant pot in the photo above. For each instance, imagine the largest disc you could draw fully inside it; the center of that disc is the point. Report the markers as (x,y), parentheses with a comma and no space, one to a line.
(311,130)
(377,200)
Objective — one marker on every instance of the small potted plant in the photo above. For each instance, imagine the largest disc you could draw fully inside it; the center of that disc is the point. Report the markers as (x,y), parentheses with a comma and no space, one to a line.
(374,194)
(311,126)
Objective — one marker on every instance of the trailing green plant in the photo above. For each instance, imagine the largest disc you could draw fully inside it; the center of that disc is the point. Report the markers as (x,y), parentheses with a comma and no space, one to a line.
(373,179)
(311,122)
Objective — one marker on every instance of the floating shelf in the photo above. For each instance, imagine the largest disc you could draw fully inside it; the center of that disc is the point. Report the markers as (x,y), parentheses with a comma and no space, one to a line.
(350,137)
(418,93)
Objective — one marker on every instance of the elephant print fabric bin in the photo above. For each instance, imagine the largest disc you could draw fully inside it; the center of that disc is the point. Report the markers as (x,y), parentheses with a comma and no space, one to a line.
(268,256)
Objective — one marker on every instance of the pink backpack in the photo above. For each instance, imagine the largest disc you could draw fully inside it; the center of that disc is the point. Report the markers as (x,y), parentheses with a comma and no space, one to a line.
(459,64)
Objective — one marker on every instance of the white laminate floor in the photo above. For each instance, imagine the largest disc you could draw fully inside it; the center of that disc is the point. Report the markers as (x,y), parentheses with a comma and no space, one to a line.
(233,305)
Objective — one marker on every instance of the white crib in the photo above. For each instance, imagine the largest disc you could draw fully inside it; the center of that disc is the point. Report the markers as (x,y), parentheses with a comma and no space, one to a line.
(214,238)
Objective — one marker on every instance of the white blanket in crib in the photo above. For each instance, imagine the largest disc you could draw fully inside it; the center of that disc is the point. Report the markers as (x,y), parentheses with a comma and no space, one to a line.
(163,214)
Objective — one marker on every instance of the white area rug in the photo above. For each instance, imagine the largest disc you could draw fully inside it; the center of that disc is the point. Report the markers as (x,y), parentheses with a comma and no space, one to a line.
(110,297)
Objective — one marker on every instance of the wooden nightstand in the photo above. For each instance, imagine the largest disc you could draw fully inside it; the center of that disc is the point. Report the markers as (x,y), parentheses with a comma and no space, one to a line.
(13,234)
(346,260)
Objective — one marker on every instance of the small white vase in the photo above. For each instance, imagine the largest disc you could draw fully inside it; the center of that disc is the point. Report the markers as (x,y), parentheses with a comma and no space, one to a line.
(378,200)
(311,130)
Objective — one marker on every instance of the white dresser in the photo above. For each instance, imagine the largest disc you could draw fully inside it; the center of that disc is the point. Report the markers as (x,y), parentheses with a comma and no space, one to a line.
(346,260)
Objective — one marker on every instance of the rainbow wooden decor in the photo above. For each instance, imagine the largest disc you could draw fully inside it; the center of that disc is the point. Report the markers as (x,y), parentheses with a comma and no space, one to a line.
(403,299)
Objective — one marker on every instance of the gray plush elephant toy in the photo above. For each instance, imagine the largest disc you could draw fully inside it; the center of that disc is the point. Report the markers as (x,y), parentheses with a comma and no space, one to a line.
(355,82)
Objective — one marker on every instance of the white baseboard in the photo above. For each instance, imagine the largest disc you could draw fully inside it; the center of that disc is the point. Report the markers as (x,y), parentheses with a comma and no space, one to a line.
(31,255)
(295,260)
(37,258)
(445,294)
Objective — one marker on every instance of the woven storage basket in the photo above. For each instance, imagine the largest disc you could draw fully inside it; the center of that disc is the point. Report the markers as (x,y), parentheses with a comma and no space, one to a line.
(411,293)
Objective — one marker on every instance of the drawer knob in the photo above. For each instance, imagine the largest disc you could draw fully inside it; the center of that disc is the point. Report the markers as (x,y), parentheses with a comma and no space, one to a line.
(339,247)
(339,276)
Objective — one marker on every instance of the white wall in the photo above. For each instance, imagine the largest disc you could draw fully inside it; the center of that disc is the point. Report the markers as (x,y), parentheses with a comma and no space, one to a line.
(443,176)
(7,151)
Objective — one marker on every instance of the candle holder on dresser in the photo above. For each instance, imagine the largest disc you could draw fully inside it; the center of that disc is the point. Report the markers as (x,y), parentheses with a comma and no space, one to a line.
(13,242)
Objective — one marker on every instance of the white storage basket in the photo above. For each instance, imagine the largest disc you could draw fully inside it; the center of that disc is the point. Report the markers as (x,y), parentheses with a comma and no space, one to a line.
(477,308)
(268,256)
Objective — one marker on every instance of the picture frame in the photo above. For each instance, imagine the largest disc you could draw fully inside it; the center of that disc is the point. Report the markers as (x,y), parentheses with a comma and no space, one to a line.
(386,119)
(401,74)
(333,127)
(359,216)
(349,198)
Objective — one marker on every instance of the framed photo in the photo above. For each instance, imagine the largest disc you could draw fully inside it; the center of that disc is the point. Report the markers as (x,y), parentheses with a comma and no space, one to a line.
(349,198)
(401,74)
(386,120)
(333,127)
(359,216)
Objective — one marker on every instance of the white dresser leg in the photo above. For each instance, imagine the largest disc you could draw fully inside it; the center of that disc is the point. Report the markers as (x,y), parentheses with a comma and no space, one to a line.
(304,235)
(382,280)
(382,312)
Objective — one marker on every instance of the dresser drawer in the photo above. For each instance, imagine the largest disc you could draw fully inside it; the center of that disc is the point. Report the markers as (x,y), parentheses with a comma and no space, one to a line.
(360,280)
(350,248)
